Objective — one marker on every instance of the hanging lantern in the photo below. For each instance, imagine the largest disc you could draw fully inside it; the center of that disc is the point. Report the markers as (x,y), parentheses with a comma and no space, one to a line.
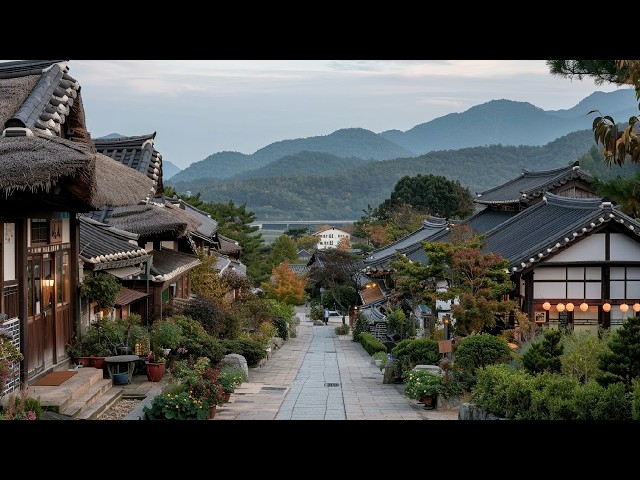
(560,307)
(570,307)
(636,307)
(606,307)
(546,305)
(624,307)
(584,306)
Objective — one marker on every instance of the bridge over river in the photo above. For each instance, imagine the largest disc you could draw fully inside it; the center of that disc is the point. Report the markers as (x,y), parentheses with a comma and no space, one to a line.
(284,225)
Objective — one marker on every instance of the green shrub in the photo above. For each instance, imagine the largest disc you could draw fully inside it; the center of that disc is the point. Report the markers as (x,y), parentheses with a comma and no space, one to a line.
(371,344)
(419,351)
(421,383)
(544,355)
(342,330)
(635,400)
(211,315)
(478,351)
(361,325)
(553,397)
(252,350)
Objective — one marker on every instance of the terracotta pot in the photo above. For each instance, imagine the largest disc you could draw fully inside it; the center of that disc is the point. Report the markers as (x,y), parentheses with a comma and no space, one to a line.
(212,411)
(226,396)
(429,402)
(84,361)
(98,362)
(155,371)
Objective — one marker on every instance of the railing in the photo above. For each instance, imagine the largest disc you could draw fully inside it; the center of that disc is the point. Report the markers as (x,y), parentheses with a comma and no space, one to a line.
(12,326)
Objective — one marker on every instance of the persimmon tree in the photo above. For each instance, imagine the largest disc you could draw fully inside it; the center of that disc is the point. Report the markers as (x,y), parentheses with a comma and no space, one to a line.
(286,287)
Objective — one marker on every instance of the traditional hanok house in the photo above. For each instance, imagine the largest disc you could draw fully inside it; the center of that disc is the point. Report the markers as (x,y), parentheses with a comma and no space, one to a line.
(194,230)
(575,262)
(163,232)
(49,172)
(107,249)
(499,204)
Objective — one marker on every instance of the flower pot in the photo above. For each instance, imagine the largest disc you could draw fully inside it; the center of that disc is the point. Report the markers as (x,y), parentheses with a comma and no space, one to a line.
(212,411)
(155,371)
(84,361)
(98,362)
(226,396)
(429,402)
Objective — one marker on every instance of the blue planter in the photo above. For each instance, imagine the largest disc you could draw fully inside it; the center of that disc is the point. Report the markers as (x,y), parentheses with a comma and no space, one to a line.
(120,378)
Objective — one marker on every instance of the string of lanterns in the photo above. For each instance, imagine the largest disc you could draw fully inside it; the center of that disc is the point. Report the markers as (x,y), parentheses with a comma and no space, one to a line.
(584,306)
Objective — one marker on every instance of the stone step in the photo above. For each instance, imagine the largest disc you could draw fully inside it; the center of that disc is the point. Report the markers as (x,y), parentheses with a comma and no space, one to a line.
(101,404)
(86,400)
(58,398)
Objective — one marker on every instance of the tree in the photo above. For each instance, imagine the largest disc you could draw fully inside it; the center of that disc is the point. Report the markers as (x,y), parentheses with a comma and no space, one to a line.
(308,242)
(344,244)
(429,194)
(479,281)
(333,268)
(283,249)
(544,355)
(618,145)
(287,287)
(625,192)
(205,278)
(622,362)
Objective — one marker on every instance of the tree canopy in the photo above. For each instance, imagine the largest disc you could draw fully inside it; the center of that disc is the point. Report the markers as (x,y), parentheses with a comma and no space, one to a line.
(620,144)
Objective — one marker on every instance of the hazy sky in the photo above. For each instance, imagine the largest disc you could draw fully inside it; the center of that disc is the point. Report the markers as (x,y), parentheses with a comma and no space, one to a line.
(200,107)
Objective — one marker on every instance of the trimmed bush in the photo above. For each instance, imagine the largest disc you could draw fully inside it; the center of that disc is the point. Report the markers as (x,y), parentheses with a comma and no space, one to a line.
(409,353)
(252,350)
(371,344)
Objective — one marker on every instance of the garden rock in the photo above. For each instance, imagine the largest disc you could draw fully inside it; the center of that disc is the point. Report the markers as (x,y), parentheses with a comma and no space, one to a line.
(235,359)
(277,342)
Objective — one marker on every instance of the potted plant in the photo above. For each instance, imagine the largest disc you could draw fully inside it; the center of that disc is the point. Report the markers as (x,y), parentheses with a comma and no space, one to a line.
(165,334)
(229,378)
(156,366)
(422,385)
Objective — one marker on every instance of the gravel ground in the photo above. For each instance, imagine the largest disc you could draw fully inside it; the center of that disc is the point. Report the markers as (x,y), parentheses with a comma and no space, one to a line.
(120,409)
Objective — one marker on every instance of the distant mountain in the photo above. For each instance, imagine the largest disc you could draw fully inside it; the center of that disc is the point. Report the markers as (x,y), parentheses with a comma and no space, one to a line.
(505,122)
(338,175)
(345,194)
(304,163)
(168,169)
(346,143)
(219,165)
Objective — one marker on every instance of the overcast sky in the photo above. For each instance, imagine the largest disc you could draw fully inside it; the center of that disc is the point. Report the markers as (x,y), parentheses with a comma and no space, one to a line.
(200,107)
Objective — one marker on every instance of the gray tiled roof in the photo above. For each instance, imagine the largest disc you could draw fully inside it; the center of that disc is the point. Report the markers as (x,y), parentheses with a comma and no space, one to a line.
(168,264)
(208,227)
(551,225)
(50,100)
(103,246)
(481,222)
(430,227)
(530,185)
(137,152)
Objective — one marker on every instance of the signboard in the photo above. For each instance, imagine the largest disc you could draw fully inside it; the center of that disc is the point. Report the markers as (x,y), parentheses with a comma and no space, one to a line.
(444,346)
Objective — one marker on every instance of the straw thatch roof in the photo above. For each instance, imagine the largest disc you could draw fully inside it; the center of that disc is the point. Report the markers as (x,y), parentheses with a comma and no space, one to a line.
(53,165)
(146,220)
(13,93)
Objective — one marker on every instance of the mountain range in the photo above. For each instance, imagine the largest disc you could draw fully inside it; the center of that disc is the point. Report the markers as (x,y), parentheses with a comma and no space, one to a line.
(284,180)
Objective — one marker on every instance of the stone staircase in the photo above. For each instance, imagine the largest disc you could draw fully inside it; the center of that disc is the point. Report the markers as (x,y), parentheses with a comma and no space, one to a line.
(85,396)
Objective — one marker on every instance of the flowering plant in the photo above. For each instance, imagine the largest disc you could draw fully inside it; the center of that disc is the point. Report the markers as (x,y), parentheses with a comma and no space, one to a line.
(9,354)
(421,383)
(177,404)
(230,377)
(206,387)
(21,408)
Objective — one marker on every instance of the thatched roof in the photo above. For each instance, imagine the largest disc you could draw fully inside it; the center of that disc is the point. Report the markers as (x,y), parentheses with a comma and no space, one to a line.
(13,93)
(53,165)
(146,220)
